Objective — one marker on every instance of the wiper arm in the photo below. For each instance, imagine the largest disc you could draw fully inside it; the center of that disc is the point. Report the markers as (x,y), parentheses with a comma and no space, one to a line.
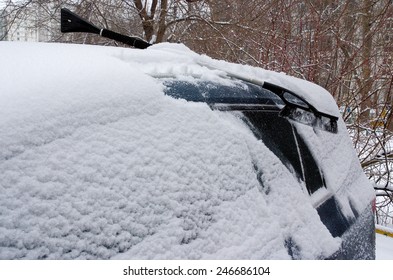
(298,109)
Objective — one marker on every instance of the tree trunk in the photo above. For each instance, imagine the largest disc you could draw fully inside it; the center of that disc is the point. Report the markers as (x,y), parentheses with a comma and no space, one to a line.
(367,101)
(147,19)
(162,21)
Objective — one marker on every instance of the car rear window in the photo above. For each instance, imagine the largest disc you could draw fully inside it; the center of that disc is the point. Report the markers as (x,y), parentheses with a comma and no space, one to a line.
(210,92)
(277,132)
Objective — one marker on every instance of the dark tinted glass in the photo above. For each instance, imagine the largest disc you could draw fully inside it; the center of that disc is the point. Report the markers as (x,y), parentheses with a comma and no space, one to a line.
(281,137)
(209,92)
(277,132)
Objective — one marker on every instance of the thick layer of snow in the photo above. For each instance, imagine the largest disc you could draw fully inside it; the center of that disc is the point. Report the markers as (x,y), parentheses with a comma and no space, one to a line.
(96,162)
(191,63)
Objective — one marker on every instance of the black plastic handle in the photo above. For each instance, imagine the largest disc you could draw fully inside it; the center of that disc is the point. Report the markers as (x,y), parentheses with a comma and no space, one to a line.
(131,41)
(71,22)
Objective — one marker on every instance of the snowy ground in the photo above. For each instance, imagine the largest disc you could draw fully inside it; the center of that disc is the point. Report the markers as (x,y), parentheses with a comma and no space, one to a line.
(384,247)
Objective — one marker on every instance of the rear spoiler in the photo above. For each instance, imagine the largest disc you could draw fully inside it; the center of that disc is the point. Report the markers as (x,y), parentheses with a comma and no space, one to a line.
(71,22)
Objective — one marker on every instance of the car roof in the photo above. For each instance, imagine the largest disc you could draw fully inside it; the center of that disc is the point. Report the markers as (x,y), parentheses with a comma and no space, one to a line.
(168,59)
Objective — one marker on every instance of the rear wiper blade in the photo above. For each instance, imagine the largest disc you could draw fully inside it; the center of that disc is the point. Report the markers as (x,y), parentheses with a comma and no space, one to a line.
(298,109)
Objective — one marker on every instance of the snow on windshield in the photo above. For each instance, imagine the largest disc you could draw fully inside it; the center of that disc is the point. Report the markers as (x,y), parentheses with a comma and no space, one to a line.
(96,162)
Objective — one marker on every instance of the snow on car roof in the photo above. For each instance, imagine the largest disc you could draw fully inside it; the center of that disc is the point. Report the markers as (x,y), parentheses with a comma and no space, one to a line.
(96,162)
(188,62)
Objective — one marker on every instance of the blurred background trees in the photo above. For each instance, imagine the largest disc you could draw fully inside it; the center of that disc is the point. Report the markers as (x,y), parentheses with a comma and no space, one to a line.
(344,46)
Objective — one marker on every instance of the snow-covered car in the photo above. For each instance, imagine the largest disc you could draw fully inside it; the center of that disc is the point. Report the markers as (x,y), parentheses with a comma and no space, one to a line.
(115,153)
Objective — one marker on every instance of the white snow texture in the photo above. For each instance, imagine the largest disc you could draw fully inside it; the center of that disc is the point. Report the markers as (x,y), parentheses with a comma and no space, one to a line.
(97,163)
